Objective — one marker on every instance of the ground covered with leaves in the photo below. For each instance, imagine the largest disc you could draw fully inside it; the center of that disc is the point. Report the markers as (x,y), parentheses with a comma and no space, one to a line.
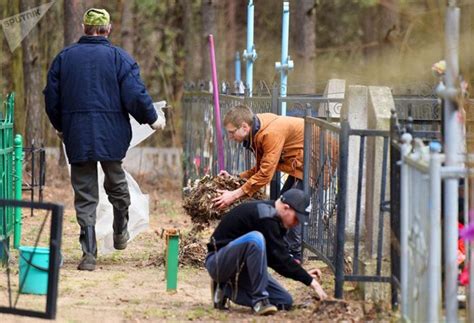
(130,285)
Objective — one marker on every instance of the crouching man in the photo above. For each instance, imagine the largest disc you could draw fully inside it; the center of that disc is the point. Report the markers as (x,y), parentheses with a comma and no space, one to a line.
(248,240)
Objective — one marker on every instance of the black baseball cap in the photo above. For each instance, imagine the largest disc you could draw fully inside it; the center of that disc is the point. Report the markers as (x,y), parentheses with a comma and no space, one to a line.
(299,201)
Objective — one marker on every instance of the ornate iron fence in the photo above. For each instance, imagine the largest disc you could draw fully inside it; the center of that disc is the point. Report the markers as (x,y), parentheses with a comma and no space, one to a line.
(325,165)
(321,161)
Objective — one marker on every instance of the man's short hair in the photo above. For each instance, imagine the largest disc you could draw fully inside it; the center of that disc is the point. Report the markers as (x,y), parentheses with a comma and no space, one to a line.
(239,114)
(99,30)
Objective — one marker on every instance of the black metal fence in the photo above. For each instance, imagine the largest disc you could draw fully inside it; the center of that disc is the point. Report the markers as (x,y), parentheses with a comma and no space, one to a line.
(12,301)
(199,135)
(334,231)
(329,234)
(321,159)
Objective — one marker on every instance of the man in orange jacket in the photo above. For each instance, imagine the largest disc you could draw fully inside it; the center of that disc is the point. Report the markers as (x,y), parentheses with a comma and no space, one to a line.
(277,143)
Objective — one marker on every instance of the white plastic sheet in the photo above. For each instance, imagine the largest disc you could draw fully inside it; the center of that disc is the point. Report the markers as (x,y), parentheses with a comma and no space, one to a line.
(139,208)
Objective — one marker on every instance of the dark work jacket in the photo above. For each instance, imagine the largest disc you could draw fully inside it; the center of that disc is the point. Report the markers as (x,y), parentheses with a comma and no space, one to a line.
(92,86)
(259,216)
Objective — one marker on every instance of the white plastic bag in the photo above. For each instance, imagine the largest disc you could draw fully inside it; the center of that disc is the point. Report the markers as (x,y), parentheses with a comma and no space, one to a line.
(139,208)
(138,214)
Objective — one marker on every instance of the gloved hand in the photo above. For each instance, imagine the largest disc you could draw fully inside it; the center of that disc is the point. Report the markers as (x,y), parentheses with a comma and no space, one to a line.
(159,124)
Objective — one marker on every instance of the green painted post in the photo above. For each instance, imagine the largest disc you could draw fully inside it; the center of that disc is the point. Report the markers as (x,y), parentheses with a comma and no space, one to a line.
(172,262)
(18,183)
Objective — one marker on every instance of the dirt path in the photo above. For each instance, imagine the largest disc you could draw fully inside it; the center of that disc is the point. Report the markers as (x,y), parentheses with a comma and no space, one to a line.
(130,285)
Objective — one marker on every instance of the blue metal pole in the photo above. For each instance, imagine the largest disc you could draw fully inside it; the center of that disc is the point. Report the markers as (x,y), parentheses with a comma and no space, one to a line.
(286,63)
(237,67)
(250,55)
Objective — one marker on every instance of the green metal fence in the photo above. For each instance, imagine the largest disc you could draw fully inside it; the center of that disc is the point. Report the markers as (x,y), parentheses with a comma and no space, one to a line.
(10,177)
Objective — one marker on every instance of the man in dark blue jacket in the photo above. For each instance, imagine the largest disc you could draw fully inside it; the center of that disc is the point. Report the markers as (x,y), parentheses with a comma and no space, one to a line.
(247,240)
(91,89)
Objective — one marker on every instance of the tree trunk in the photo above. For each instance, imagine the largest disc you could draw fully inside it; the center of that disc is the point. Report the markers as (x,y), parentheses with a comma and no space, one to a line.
(73,12)
(381,33)
(369,31)
(304,26)
(127,25)
(230,33)
(208,16)
(192,43)
(32,83)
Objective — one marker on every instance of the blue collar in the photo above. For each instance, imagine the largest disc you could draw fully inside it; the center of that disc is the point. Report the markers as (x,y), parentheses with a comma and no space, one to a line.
(94,40)
(255,128)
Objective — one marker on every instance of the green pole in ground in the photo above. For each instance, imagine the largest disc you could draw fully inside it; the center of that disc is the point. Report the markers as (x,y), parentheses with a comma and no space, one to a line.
(18,144)
(172,262)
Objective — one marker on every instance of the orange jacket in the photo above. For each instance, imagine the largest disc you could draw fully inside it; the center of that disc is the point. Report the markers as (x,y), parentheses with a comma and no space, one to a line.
(278,145)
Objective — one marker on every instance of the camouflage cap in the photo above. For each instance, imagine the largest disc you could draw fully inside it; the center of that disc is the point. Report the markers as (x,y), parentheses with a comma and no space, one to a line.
(96,17)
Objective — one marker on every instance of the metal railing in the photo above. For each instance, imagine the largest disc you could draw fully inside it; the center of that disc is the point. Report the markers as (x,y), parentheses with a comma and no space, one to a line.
(10,176)
(200,149)
(326,164)
(321,159)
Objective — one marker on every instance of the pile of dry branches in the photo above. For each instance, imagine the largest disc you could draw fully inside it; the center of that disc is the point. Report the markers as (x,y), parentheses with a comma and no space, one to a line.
(198,199)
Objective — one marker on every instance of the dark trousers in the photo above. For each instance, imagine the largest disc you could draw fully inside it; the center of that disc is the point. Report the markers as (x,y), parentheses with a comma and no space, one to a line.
(241,270)
(86,189)
(293,237)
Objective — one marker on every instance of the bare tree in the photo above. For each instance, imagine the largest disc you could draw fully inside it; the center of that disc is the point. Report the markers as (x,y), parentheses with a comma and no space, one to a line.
(127,25)
(73,11)
(230,31)
(304,26)
(208,16)
(192,43)
(32,82)
(381,30)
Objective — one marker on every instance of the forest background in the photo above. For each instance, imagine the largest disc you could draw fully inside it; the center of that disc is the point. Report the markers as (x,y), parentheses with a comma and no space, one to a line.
(370,42)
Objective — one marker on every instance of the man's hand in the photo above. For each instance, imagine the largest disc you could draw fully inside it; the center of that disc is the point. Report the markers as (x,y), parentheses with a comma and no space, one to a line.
(159,124)
(315,273)
(320,293)
(227,198)
(224,173)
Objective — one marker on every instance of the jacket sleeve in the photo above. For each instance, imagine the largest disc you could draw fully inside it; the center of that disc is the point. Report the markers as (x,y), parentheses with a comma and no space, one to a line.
(266,165)
(133,94)
(248,173)
(52,95)
(278,255)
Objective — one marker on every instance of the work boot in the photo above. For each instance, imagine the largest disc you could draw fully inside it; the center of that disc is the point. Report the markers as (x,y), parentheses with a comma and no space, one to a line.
(89,249)
(121,235)
(219,300)
(264,307)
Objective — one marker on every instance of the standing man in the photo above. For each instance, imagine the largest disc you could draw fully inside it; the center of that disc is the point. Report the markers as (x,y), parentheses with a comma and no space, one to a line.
(277,143)
(247,240)
(91,88)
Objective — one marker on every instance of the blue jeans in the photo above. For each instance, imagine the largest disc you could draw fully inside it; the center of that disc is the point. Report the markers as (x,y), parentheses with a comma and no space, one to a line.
(241,270)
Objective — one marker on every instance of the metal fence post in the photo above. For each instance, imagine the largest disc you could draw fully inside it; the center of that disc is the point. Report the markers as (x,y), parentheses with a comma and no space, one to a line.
(275,183)
(250,54)
(237,68)
(341,209)
(172,261)
(307,150)
(452,148)
(18,186)
(275,109)
(434,259)
(404,214)
(286,63)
